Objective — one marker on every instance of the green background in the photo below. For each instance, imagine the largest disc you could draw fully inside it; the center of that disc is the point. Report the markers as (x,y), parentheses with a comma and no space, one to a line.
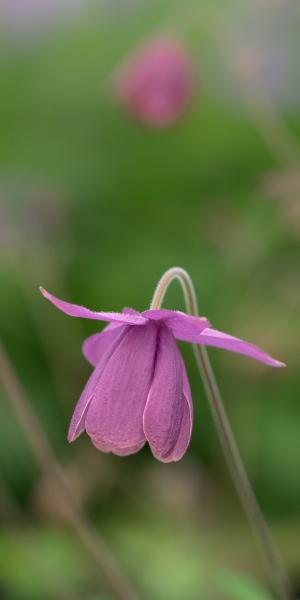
(95,207)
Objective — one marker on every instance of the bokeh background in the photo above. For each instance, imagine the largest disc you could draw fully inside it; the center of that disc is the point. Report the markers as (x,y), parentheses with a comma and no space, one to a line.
(94,206)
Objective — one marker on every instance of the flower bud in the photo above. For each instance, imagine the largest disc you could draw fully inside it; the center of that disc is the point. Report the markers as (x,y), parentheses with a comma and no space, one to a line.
(156,84)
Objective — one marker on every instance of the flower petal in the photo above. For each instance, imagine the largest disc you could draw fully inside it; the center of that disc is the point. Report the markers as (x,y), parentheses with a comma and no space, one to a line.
(179,322)
(96,345)
(212,337)
(130,311)
(115,415)
(185,432)
(106,447)
(80,311)
(77,424)
(166,406)
(160,314)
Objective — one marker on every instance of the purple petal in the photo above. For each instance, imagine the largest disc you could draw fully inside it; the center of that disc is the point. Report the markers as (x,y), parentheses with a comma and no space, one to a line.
(187,421)
(212,337)
(130,311)
(167,412)
(80,311)
(115,415)
(180,323)
(96,345)
(160,314)
(77,424)
(107,447)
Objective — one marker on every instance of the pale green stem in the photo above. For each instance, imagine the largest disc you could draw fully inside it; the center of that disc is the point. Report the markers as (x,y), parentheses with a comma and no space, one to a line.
(277,573)
(46,458)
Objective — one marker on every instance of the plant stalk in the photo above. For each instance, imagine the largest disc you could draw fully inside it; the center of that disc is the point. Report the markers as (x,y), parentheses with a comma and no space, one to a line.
(277,573)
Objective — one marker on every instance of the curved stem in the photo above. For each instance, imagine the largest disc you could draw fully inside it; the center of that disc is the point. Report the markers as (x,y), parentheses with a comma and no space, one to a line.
(45,456)
(277,573)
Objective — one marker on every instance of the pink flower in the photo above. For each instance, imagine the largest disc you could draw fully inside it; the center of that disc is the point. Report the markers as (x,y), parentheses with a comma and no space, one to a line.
(156,84)
(139,390)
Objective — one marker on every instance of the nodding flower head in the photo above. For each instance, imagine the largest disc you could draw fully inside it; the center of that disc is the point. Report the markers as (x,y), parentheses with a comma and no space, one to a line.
(138,391)
(156,84)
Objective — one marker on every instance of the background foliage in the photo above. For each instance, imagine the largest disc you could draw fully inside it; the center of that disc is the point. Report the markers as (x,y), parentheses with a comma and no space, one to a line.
(95,207)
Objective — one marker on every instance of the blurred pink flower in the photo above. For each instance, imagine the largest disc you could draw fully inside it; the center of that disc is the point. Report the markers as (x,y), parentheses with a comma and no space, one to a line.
(156,84)
(139,390)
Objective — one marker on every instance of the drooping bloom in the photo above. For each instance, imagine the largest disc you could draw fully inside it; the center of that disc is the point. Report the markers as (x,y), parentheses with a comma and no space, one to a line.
(157,83)
(138,391)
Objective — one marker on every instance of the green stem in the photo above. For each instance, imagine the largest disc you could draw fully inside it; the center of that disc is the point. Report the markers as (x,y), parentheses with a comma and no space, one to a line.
(278,576)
